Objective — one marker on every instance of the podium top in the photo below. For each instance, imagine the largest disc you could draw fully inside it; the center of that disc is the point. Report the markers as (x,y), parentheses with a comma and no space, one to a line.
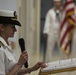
(61,64)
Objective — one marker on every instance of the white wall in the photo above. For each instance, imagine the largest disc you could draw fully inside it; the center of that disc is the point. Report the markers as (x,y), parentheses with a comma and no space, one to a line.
(30,19)
(8,4)
(0,4)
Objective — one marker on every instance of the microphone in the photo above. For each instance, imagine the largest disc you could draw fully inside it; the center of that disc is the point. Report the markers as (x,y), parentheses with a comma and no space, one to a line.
(22,46)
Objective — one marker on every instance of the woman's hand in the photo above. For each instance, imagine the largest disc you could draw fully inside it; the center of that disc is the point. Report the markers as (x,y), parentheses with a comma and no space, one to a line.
(23,58)
(38,65)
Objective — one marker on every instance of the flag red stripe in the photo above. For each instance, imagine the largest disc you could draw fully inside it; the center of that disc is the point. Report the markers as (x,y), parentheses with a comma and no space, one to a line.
(70,10)
(66,46)
(63,23)
(67,3)
(66,33)
(62,40)
(67,25)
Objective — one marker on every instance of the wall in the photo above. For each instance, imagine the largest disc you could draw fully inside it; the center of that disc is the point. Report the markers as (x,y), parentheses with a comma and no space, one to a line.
(8,4)
(0,4)
(29,16)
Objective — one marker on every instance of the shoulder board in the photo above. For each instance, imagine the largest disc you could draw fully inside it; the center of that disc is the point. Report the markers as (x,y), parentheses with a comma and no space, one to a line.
(0,44)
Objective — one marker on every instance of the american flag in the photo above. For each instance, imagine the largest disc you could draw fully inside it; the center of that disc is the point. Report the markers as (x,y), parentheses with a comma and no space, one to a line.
(67,25)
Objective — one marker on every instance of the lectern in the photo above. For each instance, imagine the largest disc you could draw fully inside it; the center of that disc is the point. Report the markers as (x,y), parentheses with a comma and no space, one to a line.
(59,66)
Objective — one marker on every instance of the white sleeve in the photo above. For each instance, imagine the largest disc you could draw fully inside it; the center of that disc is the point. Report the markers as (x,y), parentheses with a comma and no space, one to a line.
(2,65)
(47,23)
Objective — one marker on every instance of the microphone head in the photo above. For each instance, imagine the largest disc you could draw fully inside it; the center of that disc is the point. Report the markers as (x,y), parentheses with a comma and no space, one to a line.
(22,44)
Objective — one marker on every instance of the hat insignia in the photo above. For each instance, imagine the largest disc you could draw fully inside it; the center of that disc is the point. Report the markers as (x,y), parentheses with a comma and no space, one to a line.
(15,14)
(0,43)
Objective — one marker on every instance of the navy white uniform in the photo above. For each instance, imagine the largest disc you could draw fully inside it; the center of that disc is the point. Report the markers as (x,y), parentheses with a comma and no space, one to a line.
(51,28)
(7,58)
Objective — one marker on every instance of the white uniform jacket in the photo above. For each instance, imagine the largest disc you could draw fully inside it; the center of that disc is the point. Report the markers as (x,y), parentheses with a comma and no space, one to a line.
(51,25)
(51,28)
(7,60)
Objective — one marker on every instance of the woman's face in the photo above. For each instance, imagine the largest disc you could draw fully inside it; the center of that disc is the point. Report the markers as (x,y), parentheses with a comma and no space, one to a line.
(9,30)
